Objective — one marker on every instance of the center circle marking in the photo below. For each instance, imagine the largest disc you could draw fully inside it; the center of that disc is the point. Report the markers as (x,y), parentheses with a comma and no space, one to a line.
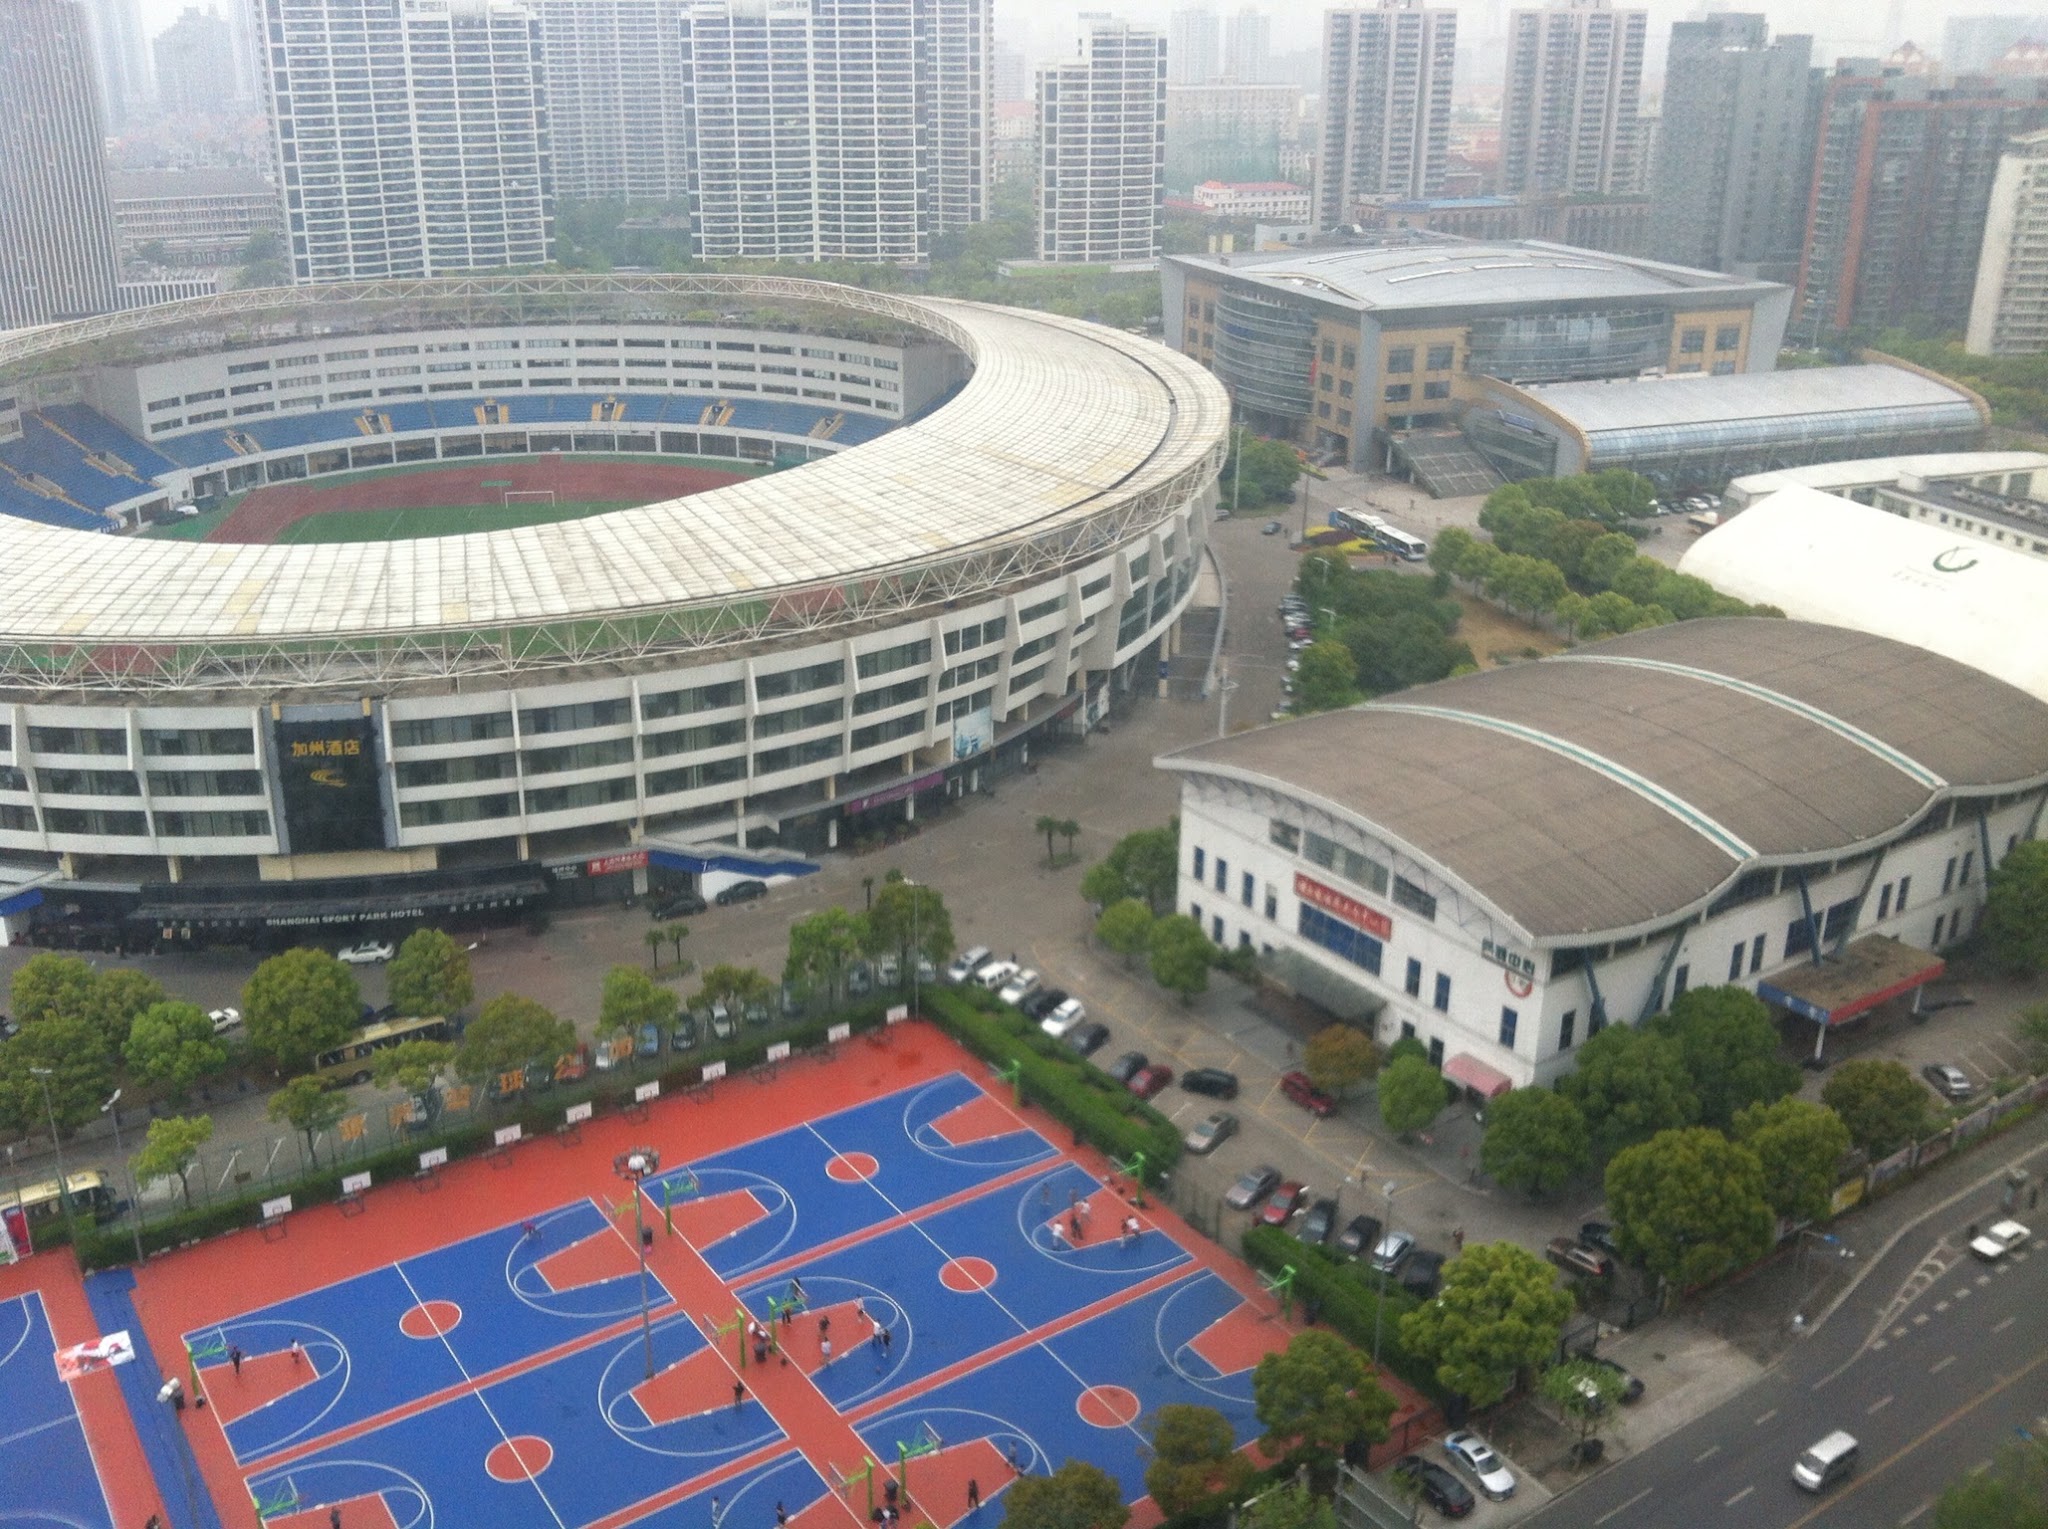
(1107,1406)
(431,1319)
(517,1459)
(852,1167)
(967,1274)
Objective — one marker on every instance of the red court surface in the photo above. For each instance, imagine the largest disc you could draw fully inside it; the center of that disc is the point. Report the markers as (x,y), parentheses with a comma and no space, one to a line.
(265,513)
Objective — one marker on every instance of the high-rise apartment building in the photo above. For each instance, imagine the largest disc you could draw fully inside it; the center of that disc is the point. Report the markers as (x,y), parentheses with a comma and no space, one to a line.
(121,58)
(57,241)
(411,136)
(1568,111)
(195,65)
(2009,308)
(614,71)
(1194,47)
(1386,104)
(1735,152)
(1227,131)
(1973,43)
(1248,46)
(836,129)
(1903,171)
(1102,148)
(1012,75)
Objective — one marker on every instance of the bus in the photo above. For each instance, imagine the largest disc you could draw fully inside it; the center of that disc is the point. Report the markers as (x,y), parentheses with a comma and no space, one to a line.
(40,1205)
(1357,523)
(1410,549)
(353,1059)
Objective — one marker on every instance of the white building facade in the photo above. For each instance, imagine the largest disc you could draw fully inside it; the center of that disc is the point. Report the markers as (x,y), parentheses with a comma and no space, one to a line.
(615,98)
(1386,104)
(1273,201)
(1102,149)
(1568,112)
(2009,306)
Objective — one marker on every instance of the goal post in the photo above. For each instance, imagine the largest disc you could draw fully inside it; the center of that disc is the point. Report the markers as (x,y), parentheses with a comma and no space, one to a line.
(544,496)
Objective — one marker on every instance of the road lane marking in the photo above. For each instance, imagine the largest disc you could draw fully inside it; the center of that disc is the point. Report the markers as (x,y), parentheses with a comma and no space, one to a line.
(1942,1365)
(1963,1294)
(1921,1320)
(1983,1279)
(1880,1345)
(1877,1406)
(1731,1502)
(2002,1326)
(1899,1332)
(1603,1518)
(1765,1418)
(1707,1454)
(1941,1305)
(1916,1513)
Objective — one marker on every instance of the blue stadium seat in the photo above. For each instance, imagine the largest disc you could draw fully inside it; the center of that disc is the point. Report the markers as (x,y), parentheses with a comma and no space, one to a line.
(102,434)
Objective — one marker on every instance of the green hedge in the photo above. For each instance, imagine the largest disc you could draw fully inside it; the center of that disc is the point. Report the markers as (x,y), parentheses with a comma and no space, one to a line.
(1097,1108)
(1344,1296)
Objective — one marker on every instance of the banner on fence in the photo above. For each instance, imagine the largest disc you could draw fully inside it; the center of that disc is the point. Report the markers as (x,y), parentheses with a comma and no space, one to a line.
(437,1158)
(1976,1123)
(2000,1108)
(1846,1195)
(898,1013)
(779,1052)
(103,1353)
(1935,1147)
(2040,1088)
(713,1071)
(649,1091)
(505,1136)
(281,1206)
(1891,1167)
(838,1033)
(355,1184)
(459,1098)
(576,1113)
(352,1128)
(510,1082)
(14,1243)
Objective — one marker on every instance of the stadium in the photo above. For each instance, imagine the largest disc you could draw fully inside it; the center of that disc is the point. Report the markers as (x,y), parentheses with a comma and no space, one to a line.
(320,606)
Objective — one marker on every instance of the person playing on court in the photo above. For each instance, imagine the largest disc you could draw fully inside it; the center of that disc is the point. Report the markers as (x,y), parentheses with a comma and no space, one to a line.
(528,1230)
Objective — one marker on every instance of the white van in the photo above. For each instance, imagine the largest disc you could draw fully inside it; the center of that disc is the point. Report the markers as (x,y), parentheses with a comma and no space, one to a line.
(1829,1461)
(967,963)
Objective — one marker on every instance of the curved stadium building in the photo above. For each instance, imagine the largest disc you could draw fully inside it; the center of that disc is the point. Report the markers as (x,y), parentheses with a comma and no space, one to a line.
(966,528)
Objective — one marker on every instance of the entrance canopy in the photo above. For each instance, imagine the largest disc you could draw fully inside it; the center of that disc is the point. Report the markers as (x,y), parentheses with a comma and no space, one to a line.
(1853,981)
(1469,1072)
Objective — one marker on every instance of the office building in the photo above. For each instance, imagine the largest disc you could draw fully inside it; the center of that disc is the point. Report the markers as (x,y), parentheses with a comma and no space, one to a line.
(196,73)
(1902,184)
(1386,104)
(192,217)
(1970,44)
(1011,74)
(438,164)
(1254,201)
(614,72)
(1248,46)
(121,58)
(1102,148)
(1729,187)
(57,246)
(837,130)
(2009,305)
(1194,47)
(1618,225)
(1568,108)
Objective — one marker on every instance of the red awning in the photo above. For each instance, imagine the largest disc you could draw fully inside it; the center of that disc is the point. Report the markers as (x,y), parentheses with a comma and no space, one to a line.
(1469,1072)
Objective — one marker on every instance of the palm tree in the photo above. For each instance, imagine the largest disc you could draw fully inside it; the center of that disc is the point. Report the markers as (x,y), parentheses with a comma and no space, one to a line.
(677,933)
(1069,830)
(1048,826)
(654,937)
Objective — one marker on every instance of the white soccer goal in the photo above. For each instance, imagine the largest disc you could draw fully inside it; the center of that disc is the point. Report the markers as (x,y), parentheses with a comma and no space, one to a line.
(544,496)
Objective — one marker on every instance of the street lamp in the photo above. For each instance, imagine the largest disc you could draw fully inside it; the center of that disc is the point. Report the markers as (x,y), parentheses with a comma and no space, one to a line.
(43,1075)
(134,1187)
(635,1166)
(1379,1307)
(1223,689)
(1799,1266)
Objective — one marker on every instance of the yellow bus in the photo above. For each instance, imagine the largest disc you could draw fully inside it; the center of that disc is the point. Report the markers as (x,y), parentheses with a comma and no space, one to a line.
(91,1195)
(353,1059)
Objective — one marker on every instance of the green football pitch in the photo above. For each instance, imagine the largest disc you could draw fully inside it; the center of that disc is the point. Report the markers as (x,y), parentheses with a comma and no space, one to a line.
(441,520)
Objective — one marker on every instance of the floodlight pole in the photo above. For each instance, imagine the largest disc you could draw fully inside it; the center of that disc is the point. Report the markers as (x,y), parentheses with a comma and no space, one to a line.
(43,1075)
(635,1166)
(1379,1307)
(112,1112)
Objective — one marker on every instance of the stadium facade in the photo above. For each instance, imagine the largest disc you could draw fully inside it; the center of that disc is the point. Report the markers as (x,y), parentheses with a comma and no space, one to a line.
(202,740)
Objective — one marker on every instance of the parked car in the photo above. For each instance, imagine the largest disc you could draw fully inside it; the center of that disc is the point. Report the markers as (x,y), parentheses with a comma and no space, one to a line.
(789,1000)
(1148,1081)
(1019,986)
(1360,1234)
(1089,1038)
(1210,1132)
(2003,1237)
(994,974)
(1282,1203)
(969,961)
(860,979)
(1422,1273)
(757,1012)
(1296,1086)
(724,1023)
(224,1020)
(1599,1234)
(681,905)
(1435,1485)
(683,1033)
(647,1043)
(1251,1187)
(1040,1002)
(366,953)
(1390,1250)
(1127,1066)
(1576,1259)
(1320,1221)
(741,892)
(1949,1081)
(1062,1021)
(1212,1081)
(1631,1385)
(1475,1457)
(1271,528)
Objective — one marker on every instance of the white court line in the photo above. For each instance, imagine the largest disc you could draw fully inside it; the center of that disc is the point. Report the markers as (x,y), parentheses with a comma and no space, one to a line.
(99,1478)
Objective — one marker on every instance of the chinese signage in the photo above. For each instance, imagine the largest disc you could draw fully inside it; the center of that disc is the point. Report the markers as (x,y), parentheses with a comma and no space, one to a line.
(328,771)
(1337,905)
(608,865)
(1508,956)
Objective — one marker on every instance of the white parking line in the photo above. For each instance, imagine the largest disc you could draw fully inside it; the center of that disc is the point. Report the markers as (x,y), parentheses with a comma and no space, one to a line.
(1603,1518)
(2002,1326)
(1939,1365)
(1877,1406)
(1765,1418)
(1731,1502)
(1916,1512)
(1706,1454)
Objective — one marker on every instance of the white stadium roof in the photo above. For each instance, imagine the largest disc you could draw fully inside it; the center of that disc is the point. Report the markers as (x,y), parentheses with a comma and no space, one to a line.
(1825,559)
(1062,423)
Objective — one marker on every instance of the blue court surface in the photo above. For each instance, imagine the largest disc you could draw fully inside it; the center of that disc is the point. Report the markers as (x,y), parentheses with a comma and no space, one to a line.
(46,1469)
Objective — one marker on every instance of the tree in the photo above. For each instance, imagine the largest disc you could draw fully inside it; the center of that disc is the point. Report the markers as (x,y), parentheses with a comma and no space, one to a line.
(1881,1103)
(1583,1391)
(653,939)
(171,1149)
(430,974)
(80,1075)
(1316,1399)
(1181,954)
(510,1031)
(413,1065)
(1690,1205)
(1145,864)
(1126,927)
(1536,1139)
(909,920)
(1412,1094)
(822,946)
(308,1104)
(298,1005)
(1730,1052)
(117,997)
(1404,1045)
(1194,1459)
(1501,1311)
(1338,1057)
(174,1045)
(675,934)
(1630,1084)
(1800,1145)
(735,986)
(2030,1029)
(1050,827)
(2015,920)
(1292,1506)
(1076,1496)
(1327,678)
(2012,1494)
(48,984)
(631,999)
(1070,830)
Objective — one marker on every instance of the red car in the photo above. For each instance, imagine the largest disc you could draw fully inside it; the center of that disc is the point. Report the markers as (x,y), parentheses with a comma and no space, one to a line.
(1147,1081)
(1296,1086)
(1281,1205)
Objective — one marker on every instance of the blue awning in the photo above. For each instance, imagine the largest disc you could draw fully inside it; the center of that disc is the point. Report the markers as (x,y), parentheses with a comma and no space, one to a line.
(20,902)
(735,861)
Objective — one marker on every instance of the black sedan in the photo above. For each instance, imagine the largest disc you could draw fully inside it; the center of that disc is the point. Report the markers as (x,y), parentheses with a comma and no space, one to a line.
(1435,1485)
(1631,1385)
(1042,1001)
(1127,1066)
(1320,1221)
(1089,1038)
(1360,1235)
(1213,1081)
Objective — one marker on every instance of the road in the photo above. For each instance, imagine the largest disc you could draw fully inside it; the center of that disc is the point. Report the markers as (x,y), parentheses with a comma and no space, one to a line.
(1932,1365)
